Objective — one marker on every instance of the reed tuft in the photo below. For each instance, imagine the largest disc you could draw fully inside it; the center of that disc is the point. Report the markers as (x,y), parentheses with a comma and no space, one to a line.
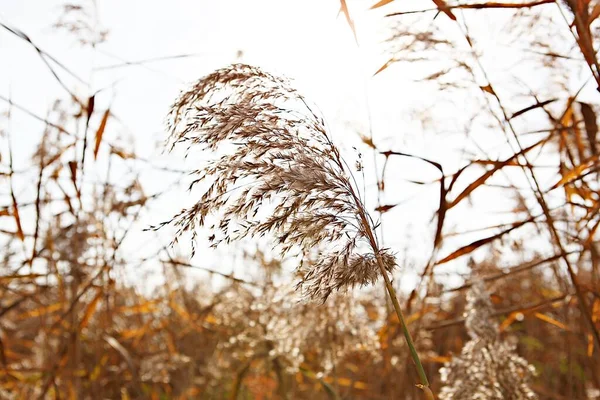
(276,172)
(488,368)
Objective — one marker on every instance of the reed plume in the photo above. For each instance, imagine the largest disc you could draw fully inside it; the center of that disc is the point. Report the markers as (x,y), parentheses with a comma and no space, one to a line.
(277,172)
(488,368)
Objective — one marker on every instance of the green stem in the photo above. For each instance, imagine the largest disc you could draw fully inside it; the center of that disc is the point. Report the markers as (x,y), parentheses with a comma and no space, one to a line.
(407,336)
(392,294)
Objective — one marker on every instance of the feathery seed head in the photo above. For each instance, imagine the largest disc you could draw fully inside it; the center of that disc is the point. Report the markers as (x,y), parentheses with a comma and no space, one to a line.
(487,368)
(276,155)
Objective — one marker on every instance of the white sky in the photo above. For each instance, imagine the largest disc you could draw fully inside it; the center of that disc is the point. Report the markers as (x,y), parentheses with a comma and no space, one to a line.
(305,40)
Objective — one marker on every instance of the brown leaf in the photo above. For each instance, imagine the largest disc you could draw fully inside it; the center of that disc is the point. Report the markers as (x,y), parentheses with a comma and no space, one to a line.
(380,4)
(595,12)
(143,308)
(41,311)
(4,212)
(509,320)
(9,278)
(385,208)
(584,34)
(478,243)
(73,169)
(344,10)
(91,309)
(437,359)
(483,178)
(496,299)
(368,141)
(533,107)
(180,311)
(591,125)
(595,318)
(15,214)
(122,153)
(100,132)
(443,7)
(58,155)
(90,105)
(571,174)
(551,321)
(385,66)
(347,382)
(578,141)
(488,89)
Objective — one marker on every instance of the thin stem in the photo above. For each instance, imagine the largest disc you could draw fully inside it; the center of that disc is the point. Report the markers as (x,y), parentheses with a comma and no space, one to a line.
(407,335)
(392,293)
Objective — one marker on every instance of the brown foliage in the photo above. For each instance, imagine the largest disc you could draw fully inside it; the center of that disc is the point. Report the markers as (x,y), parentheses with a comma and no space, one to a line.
(72,327)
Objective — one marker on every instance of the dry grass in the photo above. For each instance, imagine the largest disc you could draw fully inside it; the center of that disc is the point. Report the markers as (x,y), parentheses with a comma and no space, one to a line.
(70,327)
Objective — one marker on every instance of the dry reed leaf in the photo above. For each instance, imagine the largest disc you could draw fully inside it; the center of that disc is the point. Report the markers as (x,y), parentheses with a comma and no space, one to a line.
(100,132)
(346,12)
(488,89)
(532,107)
(180,311)
(498,165)
(415,316)
(595,12)
(345,382)
(90,106)
(73,170)
(580,11)
(443,7)
(10,278)
(569,175)
(580,146)
(478,243)
(133,333)
(381,3)
(385,66)
(57,156)
(368,141)
(91,308)
(98,368)
(41,311)
(512,317)
(567,117)
(595,318)
(437,359)
(125,155)
(385,208)
(143,308)
(551,321)
(17,217)
(591,125)
(495,4)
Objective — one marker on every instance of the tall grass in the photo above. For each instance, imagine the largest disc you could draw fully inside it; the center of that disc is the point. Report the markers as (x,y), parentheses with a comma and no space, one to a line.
(282,157)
